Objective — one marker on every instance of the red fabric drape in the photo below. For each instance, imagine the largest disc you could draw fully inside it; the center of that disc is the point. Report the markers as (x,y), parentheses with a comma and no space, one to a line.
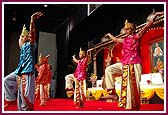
(106,51)
(145,48)
(117,52)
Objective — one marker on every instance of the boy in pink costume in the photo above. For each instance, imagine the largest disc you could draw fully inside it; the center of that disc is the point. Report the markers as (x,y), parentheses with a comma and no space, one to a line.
(79,77)
(130,67)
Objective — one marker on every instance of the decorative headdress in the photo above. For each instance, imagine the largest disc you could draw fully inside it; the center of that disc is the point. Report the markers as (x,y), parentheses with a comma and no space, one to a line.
(128,25)
(40,59)
(24,31)
(44,58)
(81,51)
(40,56)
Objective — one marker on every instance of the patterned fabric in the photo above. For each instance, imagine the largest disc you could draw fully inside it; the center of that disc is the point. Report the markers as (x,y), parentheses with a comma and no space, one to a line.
(26,92)
(130,50)
(80,93)
(42,74)
(26,61)
(43,82)
(131,91)
(80,72)
(48,70)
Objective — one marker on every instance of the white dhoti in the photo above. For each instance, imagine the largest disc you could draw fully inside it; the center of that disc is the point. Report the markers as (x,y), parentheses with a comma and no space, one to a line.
(109,71)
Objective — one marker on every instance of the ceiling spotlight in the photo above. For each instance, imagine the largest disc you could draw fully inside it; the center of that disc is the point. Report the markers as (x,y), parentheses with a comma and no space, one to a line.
(14,16)
(45,5)
(14,19)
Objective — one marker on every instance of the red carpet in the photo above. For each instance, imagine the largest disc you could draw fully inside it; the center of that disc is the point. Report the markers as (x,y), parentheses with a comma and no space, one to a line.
(67,105)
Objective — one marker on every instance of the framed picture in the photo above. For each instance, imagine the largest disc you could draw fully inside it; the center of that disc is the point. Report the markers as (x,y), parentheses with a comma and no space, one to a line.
(157,54)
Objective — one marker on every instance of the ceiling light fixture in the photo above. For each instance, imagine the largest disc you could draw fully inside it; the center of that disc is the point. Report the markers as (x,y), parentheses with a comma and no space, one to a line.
(45,5)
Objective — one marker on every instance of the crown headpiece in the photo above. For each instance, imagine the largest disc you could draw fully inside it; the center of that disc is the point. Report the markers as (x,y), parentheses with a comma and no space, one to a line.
(128,25)
(24,31)
(40,56)
(81,51)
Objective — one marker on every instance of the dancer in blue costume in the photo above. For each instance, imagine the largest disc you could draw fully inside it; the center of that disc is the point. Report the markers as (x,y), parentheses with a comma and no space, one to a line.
(24,74)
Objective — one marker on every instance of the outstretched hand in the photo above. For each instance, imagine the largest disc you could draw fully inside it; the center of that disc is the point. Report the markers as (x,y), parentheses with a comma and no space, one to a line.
(107,35)
(73,56)
(36,15)
(48,56)
(155,15)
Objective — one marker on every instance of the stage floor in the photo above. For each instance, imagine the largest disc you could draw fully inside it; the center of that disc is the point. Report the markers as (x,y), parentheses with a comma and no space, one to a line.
(65,105)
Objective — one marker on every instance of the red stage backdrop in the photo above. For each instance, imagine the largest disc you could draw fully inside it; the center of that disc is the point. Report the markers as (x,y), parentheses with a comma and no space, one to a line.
(145,47)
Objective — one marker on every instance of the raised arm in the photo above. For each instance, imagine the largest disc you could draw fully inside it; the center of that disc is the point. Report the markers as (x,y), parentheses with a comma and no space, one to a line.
(88,55)
(74,59)
(149,23)
(32,33)
(46,58)
(114,38)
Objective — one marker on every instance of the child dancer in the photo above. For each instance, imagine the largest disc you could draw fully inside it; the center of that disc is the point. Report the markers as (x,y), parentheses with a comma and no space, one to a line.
(79,77)
(42,79)
(24,72)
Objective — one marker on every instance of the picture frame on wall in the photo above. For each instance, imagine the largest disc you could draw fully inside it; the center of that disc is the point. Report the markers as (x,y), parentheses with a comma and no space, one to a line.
(157,54)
